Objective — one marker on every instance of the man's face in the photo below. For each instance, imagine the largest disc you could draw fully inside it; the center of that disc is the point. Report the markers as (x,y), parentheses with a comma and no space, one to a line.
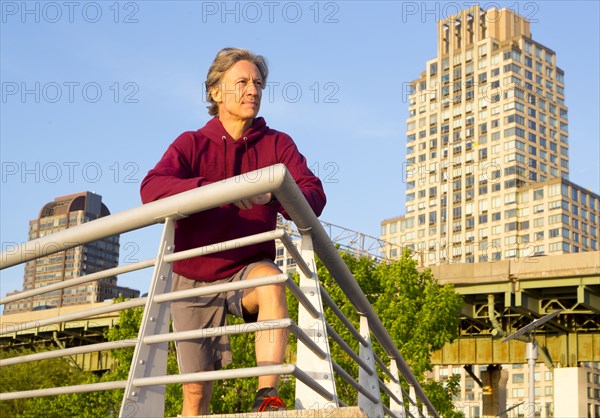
(238,96)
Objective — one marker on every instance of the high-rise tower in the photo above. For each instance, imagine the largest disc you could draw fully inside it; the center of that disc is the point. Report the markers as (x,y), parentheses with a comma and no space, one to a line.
(487,150)
(67,212)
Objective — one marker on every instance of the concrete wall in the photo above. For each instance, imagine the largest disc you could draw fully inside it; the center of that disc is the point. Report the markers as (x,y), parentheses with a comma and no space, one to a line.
(570,392)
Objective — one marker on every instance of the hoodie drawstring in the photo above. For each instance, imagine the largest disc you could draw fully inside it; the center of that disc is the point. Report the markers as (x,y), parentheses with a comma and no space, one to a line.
(224,138)
(245,139)
(246,153)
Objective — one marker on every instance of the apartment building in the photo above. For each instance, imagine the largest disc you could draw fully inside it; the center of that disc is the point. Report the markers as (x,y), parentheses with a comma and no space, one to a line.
(67,212)
(487,150)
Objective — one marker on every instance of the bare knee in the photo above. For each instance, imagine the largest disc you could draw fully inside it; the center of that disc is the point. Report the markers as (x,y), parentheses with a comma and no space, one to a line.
(263,270)
(272,295)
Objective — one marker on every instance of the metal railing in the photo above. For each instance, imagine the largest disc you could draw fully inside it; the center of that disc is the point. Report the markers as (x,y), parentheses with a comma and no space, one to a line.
(353,242)
(314,369)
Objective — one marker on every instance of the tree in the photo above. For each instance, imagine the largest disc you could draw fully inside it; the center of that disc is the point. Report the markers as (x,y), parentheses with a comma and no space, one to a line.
(440,395)
(33,375)
(419,314)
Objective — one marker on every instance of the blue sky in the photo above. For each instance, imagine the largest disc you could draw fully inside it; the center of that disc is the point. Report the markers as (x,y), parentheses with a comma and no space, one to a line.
(94,92)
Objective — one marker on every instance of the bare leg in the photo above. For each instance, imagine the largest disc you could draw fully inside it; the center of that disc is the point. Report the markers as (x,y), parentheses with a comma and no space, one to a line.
(269,302)
(196,398)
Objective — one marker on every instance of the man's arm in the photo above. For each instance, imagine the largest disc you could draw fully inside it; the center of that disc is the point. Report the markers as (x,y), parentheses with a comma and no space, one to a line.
(173,173)
(309,184)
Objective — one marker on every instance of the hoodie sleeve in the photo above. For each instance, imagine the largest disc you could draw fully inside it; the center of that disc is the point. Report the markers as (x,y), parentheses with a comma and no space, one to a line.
(173,173)
(309,184)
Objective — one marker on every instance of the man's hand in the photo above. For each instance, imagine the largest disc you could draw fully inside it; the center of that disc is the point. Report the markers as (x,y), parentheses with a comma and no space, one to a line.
(261,199)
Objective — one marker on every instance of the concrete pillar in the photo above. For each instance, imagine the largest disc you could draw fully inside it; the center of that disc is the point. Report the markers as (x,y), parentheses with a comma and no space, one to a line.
(570,392)
(494,391)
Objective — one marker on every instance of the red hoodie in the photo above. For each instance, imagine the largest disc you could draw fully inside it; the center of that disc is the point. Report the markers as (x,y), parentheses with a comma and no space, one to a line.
(209,155)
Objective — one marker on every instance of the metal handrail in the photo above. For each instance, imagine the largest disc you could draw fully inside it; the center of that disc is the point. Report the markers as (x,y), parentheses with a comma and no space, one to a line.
(194,252)
(275,179)
(178,206)
(301,213)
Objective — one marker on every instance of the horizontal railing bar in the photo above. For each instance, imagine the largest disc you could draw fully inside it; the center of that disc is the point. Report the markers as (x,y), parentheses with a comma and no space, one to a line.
(389,412)
(408,413)
(293,201)
(63,390)
(289,245)
(244,186)
(344,345)
(306,340)
(79,280)
(406,395)
(90,348)
(261,281)
(304,301)
(220,331)
(159,380)
(387,390)
(213,375)
(349,379)
(222,287)
(311,383)
(133,303)
(226,245)
(338,312)
(384,368)
(195,252)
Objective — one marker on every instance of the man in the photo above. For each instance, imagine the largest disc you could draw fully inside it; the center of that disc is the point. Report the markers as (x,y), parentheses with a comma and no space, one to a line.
(235,141)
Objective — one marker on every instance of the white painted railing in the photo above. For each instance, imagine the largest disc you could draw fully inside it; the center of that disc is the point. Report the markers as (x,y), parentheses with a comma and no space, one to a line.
(314,370)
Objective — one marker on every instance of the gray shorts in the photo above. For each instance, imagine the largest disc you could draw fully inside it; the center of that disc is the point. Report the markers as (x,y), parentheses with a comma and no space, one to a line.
(207,312)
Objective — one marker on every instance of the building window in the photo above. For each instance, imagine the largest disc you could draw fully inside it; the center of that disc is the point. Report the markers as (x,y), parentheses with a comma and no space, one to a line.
(518,378)
(518,392)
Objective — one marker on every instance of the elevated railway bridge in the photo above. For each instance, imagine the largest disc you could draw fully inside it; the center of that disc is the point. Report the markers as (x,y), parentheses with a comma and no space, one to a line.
(500,298)
(503,296)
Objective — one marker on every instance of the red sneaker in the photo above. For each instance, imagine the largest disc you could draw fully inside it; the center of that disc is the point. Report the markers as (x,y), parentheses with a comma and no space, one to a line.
(267,400)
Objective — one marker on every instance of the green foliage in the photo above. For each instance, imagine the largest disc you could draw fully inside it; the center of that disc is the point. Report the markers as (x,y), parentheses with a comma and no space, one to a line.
(441,395)
(34,375)
(420,315)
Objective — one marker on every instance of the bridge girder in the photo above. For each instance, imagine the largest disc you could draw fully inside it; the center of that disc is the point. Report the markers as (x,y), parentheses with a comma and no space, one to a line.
(524,291)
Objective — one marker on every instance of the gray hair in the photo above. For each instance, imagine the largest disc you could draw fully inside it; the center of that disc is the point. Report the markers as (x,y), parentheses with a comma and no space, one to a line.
(225,59)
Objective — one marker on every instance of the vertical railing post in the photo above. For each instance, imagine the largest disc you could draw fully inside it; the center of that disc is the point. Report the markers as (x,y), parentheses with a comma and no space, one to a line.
(321,370)
(366,380)
(415,407)
(151,359)
(394,386)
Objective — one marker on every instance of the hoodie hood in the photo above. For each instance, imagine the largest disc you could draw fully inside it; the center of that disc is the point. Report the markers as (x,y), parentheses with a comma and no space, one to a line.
(215,131)
(233,150)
